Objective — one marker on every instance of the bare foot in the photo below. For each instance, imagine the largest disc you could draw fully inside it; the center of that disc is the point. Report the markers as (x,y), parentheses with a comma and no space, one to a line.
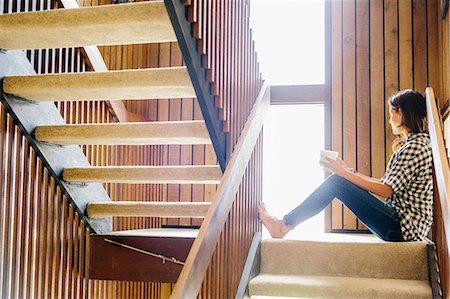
(276,227)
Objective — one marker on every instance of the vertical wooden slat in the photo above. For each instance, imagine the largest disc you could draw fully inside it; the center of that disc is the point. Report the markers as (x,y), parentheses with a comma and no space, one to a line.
(198,159)
(377,99)
(175,114)
(405,44)
(48,227)
(28,231)
(433,47)
(3,162)
(420,45)
(336,102)
(391,60)
(349,95)
(14,208)
(363,159)
(186,156)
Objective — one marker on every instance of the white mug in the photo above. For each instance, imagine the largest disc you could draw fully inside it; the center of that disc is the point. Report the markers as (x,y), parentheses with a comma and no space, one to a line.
(329,154)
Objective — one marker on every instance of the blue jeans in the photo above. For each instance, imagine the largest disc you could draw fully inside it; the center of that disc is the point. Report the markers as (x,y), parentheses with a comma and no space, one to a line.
(380,217)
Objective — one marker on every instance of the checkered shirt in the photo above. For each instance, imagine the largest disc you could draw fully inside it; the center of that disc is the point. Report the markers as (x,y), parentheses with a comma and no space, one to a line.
(410,174)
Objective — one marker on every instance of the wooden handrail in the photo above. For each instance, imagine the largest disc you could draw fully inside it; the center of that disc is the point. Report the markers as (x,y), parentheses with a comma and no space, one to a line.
(191,277)
(441,167)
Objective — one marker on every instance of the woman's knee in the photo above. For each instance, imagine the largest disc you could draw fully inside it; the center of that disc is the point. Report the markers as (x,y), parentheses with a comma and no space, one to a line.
(334,179)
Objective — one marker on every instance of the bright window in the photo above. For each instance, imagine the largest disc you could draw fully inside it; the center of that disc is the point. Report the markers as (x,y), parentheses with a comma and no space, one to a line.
(293,138)
(290,40)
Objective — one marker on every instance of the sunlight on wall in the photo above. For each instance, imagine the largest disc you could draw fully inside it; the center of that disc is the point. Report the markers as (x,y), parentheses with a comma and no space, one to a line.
(293,138)
(294,29)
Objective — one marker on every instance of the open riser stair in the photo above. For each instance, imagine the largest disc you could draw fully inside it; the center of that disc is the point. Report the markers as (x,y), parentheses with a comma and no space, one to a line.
(30,96)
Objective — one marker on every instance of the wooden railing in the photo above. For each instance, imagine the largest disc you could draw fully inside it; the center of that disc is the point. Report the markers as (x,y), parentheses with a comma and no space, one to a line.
(218,49)
(441,234)
(191,277)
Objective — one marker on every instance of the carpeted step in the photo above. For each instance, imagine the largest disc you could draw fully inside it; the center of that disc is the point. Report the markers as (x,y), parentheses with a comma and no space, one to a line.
(337,287)
(147,209)
(275,297)
(185,174)
(130,23)
(133,133)
(151,83)
(386,260)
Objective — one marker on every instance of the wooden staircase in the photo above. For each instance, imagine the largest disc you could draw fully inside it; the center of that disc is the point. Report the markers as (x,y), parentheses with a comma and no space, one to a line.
(159,253)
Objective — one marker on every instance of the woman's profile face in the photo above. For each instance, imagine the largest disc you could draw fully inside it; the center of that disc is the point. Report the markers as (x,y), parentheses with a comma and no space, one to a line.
(395,120)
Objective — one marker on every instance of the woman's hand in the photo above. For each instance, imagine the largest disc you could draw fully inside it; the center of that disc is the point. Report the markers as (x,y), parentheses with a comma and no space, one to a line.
(337,166)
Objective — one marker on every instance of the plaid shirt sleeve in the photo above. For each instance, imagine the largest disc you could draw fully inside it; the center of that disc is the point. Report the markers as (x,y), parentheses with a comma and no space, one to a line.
(402,167)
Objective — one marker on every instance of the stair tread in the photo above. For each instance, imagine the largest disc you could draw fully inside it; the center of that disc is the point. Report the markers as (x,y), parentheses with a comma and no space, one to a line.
(148,209)
(152,83)
(342,287)
(141,133)
(186,174)
(132,23)
(396,260)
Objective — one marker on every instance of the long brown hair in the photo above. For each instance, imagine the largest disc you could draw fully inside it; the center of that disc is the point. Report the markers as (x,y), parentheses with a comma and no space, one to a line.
(413,108)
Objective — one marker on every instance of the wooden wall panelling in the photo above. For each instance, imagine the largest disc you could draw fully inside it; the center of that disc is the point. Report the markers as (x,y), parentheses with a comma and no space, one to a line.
(336,104)
(391,63)
(420,40)
(433,19)
(377,98)
(405,36)
(363,158)
(405,44)
(349,95)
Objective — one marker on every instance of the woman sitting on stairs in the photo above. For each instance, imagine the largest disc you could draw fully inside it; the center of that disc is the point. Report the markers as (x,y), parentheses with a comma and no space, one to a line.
(407,185)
